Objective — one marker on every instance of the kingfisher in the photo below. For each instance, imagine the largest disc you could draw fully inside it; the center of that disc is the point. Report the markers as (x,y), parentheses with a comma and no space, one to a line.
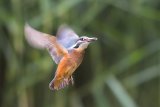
(67,49)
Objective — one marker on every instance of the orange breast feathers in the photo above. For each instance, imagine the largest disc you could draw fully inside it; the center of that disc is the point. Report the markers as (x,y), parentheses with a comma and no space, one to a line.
(65,69)
(69,63)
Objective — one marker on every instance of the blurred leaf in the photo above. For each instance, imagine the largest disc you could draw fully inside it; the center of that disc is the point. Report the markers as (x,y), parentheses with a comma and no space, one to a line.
(120,93)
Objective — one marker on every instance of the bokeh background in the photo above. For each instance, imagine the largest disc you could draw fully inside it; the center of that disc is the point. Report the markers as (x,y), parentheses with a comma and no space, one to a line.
(121,69)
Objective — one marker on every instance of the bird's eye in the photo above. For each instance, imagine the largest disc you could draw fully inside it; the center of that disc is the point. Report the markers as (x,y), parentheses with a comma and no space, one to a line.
(82,39)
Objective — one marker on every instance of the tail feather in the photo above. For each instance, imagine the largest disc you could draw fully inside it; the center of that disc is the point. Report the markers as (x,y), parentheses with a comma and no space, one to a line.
(56,84)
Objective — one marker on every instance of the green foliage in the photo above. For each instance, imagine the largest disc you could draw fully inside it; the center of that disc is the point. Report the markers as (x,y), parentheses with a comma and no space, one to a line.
(121,69)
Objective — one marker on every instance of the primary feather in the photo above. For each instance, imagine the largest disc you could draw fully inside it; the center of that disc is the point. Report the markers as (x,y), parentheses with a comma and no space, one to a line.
(42,40)
(66,36)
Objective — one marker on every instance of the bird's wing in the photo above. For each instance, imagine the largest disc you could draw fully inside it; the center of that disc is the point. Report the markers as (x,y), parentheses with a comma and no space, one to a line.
(42,40)
(66,36)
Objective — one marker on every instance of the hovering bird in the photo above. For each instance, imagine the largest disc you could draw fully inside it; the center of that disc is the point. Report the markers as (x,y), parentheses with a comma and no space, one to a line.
(66,49)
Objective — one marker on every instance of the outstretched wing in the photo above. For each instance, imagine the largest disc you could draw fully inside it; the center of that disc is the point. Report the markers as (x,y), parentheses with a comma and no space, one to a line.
(66,36)
(41,40)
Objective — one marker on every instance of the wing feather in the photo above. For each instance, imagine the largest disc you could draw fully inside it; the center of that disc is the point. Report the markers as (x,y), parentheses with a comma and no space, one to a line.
(66,36)
(35,38)
(42,40)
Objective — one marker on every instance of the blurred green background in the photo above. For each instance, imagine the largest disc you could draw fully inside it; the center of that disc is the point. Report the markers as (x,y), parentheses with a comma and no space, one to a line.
(121,69)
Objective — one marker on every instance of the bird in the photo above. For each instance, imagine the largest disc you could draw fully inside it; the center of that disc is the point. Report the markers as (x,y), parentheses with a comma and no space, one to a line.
(67,49)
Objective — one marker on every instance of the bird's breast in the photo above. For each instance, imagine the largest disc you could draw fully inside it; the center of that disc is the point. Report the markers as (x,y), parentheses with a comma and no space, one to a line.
(68,64)
(77,56)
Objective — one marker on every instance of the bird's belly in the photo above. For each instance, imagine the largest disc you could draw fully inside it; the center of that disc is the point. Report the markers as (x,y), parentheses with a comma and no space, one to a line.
(66,67)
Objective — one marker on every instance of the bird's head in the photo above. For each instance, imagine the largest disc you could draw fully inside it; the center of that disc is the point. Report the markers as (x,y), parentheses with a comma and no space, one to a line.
(84,41)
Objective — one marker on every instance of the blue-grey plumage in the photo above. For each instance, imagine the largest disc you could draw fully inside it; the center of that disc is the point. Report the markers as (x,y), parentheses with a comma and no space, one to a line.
(66,36)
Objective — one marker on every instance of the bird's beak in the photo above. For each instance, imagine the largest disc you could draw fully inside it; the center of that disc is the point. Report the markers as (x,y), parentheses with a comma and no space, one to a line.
(91,39)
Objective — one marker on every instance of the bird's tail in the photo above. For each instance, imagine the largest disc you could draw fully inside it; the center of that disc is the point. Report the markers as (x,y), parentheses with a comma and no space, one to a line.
(56,84)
